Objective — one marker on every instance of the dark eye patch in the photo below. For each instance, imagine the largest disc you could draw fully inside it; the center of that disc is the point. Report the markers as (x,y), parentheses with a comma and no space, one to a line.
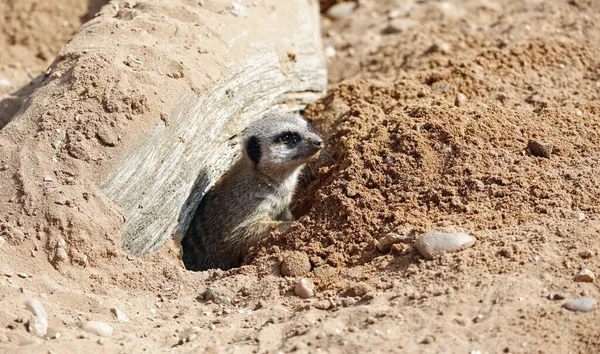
(288,138)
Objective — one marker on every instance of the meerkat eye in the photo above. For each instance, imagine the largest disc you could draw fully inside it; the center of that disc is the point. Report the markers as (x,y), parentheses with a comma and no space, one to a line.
(289,138)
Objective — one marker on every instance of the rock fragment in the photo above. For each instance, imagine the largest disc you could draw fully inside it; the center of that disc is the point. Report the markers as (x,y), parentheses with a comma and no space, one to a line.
(304,288)
(583,254)
(37,308)
(38,326)
(585,276)
(106,137)
(120,315)
(98,328)
(385,244)
(579,215)
(2,241)
(460,100)
(441,86)
(341,10)
(216,297)
(433,243)
(357,290)
(582,304)
(541,148)
(295,264)
(399,25)
(556,297)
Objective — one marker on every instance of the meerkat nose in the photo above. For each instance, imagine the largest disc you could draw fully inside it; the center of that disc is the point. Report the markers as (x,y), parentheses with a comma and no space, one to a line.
(318,143)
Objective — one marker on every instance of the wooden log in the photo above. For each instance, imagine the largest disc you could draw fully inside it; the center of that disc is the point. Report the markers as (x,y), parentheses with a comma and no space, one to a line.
(163,91)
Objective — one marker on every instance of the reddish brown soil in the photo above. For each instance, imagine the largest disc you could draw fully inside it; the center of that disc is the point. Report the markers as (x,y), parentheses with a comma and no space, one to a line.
(31,34)
(407,155)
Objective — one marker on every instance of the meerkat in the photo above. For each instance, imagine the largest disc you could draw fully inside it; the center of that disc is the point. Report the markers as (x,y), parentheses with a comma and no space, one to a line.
(254,196)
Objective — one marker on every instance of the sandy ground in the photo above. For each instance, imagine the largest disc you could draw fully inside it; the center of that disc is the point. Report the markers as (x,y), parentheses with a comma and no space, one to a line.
(431,109)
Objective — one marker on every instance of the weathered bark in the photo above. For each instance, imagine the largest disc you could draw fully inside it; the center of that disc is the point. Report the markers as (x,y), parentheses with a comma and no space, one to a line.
(163,126)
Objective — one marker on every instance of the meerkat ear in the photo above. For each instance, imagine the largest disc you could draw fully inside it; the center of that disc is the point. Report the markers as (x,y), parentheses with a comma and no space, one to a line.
(253,149)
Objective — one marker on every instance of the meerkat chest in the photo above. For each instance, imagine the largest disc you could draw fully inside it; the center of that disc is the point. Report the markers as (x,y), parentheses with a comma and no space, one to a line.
(282,196)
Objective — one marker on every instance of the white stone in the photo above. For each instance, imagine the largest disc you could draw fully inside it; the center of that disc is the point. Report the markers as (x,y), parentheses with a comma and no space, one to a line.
(341,10)
(238,10)
(433,243)
(582,304)
(304,288)
(37,308)
(98,328)
(120,315)
(38,326)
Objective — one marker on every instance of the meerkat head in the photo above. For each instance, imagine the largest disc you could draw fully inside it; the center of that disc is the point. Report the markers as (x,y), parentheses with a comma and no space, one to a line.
(280,143)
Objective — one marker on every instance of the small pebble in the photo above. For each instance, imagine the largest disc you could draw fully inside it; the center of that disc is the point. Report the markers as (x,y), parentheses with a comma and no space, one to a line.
(23,275)
(2,241)
(98,328)
(541,148)
(556,297)
(329,51)
(441,47)
(295,264)
(440,86)
(428,339)
(48,179)
(37,308)
(279,308)
(238,10)
(341,10)
(460,100)
(357,290)
(585,275)
(106,137)
(399,25)
(120,315)
(304,288)
(586,254)
(385,244)
(399,12)
(61,201)
(60,242)
(434,243)
(38,326)
(213,295)
(582,304)
(579,215)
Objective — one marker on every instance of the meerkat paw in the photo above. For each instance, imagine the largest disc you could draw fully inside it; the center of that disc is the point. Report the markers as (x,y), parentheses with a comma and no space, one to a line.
(284,225)
(285,215)
(277,225)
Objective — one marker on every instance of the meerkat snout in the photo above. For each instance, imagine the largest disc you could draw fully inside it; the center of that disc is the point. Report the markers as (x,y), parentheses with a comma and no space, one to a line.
(253,196)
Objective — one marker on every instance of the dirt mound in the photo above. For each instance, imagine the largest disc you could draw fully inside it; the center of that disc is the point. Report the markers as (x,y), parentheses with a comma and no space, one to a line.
(445,148)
